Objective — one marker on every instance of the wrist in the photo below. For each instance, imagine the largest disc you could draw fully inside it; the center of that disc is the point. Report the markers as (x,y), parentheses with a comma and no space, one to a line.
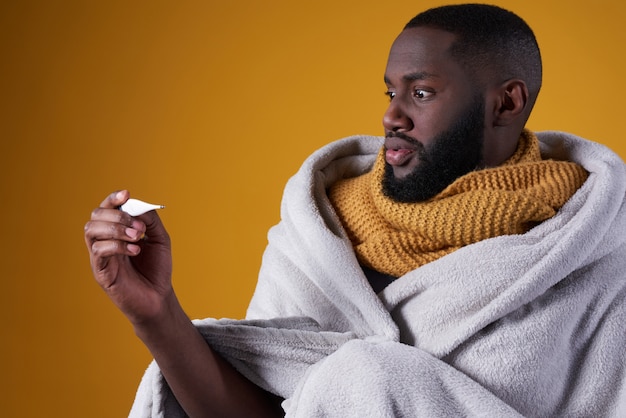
(164,323)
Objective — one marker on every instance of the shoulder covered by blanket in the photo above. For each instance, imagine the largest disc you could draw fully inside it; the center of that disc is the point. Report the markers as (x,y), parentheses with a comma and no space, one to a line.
(528,324)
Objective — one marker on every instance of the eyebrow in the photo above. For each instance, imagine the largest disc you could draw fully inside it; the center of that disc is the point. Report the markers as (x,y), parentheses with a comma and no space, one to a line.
(418,75)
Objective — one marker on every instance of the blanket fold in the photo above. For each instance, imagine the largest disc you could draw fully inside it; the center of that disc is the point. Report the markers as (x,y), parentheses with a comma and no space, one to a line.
(526,324)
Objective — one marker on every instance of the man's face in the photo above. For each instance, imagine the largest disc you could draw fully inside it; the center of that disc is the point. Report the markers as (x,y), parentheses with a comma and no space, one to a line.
(434,125)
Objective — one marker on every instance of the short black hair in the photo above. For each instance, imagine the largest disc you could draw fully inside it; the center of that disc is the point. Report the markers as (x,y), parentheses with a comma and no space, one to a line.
(489,39)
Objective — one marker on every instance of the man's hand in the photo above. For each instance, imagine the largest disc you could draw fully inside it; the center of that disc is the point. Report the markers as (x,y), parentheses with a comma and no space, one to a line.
(130,258)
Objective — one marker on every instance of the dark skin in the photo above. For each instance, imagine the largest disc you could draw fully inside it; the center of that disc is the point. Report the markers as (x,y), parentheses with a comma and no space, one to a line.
(427,87)
(135,273)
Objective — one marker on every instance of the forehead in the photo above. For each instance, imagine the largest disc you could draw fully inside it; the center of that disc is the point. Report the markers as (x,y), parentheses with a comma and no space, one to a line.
(422,50)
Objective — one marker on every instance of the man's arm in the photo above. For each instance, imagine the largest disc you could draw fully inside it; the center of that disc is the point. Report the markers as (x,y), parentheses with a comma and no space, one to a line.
(135,273)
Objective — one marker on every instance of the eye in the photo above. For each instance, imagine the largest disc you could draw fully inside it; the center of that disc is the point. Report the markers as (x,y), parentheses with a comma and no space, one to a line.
(422,94)
(390,94)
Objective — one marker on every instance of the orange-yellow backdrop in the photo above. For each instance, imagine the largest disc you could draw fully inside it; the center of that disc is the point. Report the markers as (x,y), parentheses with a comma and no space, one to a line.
(207,107)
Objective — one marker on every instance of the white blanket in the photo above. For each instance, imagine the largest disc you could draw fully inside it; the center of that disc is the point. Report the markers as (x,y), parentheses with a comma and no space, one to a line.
(528,325)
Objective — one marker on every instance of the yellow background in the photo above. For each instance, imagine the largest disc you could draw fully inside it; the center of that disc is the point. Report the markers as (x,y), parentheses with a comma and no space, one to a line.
(207,107)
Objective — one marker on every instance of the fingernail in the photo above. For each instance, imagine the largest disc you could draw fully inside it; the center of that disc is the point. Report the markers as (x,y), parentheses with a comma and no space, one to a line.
(133,249)
(132,233)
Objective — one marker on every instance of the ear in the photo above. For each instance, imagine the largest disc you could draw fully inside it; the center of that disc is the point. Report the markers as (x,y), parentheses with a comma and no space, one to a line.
(511,102)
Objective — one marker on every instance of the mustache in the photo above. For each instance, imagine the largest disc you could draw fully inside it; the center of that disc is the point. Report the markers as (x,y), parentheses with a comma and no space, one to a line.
(401,135)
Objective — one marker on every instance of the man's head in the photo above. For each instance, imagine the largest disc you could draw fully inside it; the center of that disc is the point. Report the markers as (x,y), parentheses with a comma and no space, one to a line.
(462,81)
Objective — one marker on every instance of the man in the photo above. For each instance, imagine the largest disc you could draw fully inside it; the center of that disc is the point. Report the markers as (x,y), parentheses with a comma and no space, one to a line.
(459,266)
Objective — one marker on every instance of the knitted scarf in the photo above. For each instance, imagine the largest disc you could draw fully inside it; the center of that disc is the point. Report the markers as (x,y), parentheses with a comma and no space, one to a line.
(395,238)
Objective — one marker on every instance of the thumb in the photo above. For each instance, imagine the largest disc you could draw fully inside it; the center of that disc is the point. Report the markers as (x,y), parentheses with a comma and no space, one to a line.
(155,230)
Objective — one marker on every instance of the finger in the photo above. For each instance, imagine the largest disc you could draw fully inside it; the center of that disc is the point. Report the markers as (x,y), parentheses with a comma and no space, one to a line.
(115,199)
(154,228)
(97,230)
(113,215)
(102,251)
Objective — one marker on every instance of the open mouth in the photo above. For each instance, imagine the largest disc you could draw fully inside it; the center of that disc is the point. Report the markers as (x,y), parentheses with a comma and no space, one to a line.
(398,151)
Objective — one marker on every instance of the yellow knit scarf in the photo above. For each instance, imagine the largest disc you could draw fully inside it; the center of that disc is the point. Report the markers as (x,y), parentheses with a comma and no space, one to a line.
(395,238)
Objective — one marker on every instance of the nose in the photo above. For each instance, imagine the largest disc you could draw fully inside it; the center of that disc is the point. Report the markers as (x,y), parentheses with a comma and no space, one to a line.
(396,119)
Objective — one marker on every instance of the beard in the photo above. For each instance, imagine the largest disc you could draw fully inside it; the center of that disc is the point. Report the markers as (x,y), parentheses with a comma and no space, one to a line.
(452,154)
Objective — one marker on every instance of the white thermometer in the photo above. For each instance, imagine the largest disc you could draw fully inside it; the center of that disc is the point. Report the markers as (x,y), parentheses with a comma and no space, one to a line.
(135,207)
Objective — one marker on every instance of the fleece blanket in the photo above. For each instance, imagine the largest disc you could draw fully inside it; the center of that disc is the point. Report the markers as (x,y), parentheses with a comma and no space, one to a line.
(523,325)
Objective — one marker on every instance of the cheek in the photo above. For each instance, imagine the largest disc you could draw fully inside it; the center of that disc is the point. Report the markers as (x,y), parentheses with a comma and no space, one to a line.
(430,122)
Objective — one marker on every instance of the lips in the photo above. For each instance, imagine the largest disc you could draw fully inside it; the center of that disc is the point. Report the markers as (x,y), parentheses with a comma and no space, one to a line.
(398,151)
(398,157)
